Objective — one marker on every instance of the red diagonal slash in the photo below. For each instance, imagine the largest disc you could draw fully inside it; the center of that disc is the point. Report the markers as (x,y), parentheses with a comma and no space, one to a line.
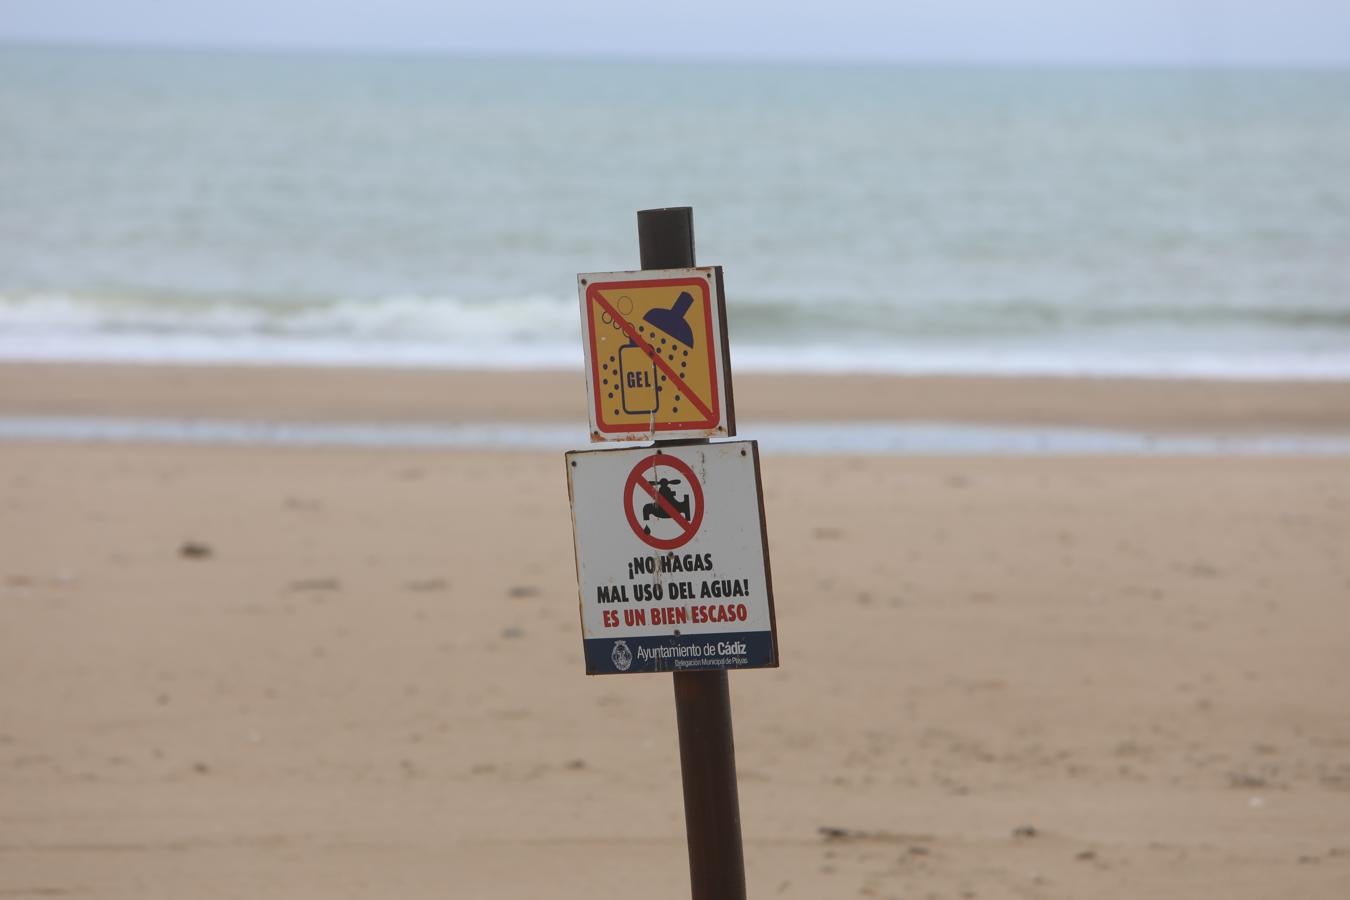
(655,356)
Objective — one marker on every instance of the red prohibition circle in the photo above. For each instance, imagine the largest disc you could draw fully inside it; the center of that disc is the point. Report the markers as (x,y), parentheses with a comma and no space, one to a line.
(637,481)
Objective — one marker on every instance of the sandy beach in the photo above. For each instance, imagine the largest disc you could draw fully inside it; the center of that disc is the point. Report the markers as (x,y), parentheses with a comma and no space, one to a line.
(295,673)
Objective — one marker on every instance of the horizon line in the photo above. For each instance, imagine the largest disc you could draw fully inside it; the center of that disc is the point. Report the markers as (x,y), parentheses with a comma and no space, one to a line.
(505,54)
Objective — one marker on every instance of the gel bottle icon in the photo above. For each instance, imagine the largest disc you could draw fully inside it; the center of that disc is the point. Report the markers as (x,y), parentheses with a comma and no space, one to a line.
(637,381)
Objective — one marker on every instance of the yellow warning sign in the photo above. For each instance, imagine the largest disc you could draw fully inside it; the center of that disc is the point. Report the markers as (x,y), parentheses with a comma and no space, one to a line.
(656,359)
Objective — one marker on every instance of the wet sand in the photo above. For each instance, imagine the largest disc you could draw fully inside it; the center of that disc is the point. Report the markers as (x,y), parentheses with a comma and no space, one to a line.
(412,395)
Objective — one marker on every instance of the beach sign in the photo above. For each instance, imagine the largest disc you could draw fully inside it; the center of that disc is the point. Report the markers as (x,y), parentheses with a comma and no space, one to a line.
(672,560)
(656,354)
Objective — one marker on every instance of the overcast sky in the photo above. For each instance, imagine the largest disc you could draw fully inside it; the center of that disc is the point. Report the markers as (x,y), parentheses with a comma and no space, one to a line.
(1296,32)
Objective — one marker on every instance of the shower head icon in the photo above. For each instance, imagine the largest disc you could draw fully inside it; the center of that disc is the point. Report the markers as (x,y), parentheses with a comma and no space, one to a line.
(671,321)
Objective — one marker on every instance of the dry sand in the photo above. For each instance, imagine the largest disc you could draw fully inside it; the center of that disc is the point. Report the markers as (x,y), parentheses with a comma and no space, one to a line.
(1001,678)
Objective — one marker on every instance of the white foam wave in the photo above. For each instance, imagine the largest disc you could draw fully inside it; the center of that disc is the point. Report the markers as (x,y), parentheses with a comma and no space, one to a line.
(540,332)
(397,317)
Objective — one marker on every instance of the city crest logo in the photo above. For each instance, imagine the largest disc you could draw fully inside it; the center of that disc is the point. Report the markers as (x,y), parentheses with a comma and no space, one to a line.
(622,657)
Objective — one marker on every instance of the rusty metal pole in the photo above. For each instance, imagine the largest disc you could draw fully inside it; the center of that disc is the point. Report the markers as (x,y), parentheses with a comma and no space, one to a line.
(712,808)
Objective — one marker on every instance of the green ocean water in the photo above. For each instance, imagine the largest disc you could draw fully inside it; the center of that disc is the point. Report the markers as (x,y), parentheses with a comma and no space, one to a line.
(430,210)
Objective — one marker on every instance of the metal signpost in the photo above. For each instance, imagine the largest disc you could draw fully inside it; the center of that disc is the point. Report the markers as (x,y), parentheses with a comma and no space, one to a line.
(672,554)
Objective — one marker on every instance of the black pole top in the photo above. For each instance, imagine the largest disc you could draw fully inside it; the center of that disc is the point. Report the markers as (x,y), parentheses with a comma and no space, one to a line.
(666,237)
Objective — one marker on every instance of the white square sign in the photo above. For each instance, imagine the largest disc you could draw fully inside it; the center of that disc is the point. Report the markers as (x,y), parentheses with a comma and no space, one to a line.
(672,558)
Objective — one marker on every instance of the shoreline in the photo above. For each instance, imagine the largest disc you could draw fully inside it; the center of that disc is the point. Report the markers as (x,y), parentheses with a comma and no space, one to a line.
(377,395)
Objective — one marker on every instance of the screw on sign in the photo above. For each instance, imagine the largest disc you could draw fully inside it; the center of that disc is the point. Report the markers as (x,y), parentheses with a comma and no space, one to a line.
(656,499)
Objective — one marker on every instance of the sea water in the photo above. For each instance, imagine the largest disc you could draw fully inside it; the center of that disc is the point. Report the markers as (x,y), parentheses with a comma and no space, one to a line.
(431,210)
